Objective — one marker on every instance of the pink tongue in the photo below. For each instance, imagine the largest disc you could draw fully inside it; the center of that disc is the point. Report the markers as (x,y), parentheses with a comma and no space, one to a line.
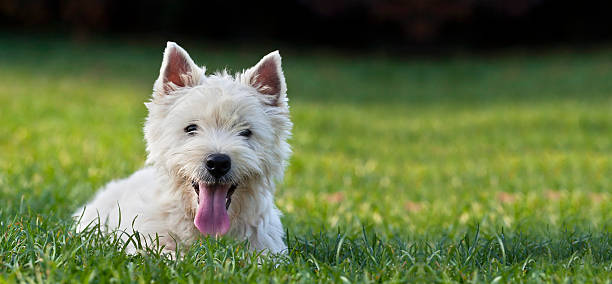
(211,217)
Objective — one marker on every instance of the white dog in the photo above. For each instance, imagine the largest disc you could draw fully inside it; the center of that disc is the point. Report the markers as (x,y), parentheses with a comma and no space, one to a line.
(216,144)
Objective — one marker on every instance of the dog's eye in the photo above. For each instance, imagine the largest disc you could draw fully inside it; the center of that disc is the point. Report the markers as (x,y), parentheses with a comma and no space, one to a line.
(191,128)
(245,133)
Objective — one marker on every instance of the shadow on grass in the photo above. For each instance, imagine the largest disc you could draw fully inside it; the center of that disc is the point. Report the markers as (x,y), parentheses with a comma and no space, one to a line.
(438,255)
(321,78)
(51,242)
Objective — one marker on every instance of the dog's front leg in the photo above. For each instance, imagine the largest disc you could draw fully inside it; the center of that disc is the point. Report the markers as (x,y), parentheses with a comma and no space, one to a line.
(268,234)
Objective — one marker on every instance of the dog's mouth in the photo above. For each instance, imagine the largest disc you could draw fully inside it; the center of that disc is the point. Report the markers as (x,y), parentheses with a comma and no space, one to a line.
(214,200)
(228,197)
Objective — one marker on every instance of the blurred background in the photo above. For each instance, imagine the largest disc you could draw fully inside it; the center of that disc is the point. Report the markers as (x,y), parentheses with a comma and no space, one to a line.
(400,26)
(448,109)
(415,120)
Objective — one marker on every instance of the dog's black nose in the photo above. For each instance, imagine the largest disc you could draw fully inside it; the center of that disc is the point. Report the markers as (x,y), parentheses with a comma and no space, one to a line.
(218,164)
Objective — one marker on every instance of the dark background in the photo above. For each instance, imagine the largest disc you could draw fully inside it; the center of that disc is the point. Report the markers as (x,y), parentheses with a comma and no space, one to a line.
(401,26)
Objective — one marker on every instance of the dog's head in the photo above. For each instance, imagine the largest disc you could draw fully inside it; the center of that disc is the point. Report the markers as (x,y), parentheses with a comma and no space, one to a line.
(218,135)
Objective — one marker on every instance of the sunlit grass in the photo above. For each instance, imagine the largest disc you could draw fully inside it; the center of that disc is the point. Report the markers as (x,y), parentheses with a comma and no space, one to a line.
(454,169)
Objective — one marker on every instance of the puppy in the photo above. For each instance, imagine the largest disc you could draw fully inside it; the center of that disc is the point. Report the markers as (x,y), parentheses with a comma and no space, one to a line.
(216,145)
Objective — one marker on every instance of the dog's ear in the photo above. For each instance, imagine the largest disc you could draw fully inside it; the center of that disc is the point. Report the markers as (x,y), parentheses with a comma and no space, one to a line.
(177,70)
(268,78)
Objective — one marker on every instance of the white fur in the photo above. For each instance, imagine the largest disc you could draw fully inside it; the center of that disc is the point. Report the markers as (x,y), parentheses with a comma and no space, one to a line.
(160,200)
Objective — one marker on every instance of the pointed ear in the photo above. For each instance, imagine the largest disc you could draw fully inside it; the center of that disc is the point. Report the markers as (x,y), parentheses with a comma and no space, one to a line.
(268,78)
(177,70)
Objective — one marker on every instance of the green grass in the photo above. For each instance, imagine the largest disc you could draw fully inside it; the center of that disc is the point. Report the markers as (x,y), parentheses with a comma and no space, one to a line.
(461,168)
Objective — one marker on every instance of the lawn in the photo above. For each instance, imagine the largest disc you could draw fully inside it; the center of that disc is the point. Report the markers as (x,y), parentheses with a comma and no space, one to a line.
(463,168)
